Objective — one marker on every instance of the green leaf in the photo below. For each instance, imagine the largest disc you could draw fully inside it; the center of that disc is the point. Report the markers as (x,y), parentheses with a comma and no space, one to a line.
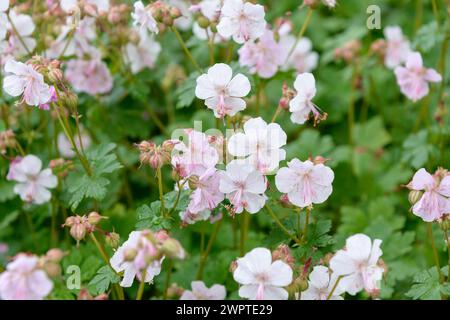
(171,197)
(186,91)
(6,191)
(372,134)
(428,36)
(317,237)
(426,285)
(417,150)
(103,279)
(149,217)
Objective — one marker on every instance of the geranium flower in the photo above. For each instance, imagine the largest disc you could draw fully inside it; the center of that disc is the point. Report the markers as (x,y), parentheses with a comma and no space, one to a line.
(301,106)
(321,282)
(24,80)
(201,292)
(242,21)
(358,265)
(132,258)
(100,5)
(261,142)
(24,280)
(260,277)
(435,200)
(90,76)
(244,186)
(221,92)
(4,5)
(302,58)
(413,79)
(262,56)
(397,47)
(305,183)
(206,195)
(143,19)
(143,55)
(32,182)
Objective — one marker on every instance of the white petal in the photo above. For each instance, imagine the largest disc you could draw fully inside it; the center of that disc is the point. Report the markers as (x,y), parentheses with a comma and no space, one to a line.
(239,86)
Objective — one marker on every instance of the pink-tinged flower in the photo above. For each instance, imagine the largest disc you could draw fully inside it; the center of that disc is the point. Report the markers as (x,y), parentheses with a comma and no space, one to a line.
(305,183)
(358,265)
(397,47)
(206,195)
(24,80)
(184,21)
(143,19)
(201,292)
(65,147)
(222,92)
(195,156)
(90,76)
(261,143)
(188,217)
(32,181)
(262,56)
(260,278)
(210,9)
(413,79)
(244,186)
(4,5)
(302,58)
(53,98)
(435,200)
(143,55)
(301,106)
(242,21)
(321,282)
(135,257)
(23,280)
(70,5)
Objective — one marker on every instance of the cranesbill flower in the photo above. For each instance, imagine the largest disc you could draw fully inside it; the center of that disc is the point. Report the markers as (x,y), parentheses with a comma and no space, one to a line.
(143,19)
(301,106)
(260,277)
(70,5)
(262,56)
(201,292)
(242,21)
(244,186)
(222,92)
(206,195)
(261,143)
(33,183)
(414,77)
(435,201)
(136,256)
(4,5)
(90,76)
(142,55)
(358,265)
(22,79)
(397,47)
(24,280)
(305,183)
(302,58)
(321,283)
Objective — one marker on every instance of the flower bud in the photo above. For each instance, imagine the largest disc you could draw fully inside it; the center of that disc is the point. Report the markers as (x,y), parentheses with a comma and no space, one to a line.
(172,249)
(174,291)
(175,12)
(70,100)
(233,266)
(284,200)
(129,254)
(52,269)
(84,295)
(283,253)
(78,231)
(414,196)
(55,255)
(193,181)
(203,22)
(94,218)
(112,239)
(70,221)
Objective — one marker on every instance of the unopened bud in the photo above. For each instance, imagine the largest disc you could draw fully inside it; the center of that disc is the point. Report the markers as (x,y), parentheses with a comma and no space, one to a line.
(112,239)
(414,196)
(172,249)
(193,181)
(203,22)
(175,12)
(129,254)
(52,269)
(78,231)
(94,218)
(55,255)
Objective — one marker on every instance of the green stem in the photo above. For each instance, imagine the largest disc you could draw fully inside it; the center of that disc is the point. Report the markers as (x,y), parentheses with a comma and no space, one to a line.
(277,113)
(301,33)
(161,191)
(208,250)
(282,227)
(168,277)
(186,50)
(18,35)
(305,229)
(334,288)
(140,291)
(435,253)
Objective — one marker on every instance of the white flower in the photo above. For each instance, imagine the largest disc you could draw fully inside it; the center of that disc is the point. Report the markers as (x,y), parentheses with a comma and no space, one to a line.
(242,21)
(65,147)
(301,106)
(142,18)
(184,21)
(261,142)
(221,92)
(244,187)
(69,5)
(397,47)
(262,279)
(201,292)
(302,58)
(25,27)
(23,79)
(321,283)
(32,182)
(358,264)
(132,258)
(4,5)
(143,55)
(305,183)
(23,280)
